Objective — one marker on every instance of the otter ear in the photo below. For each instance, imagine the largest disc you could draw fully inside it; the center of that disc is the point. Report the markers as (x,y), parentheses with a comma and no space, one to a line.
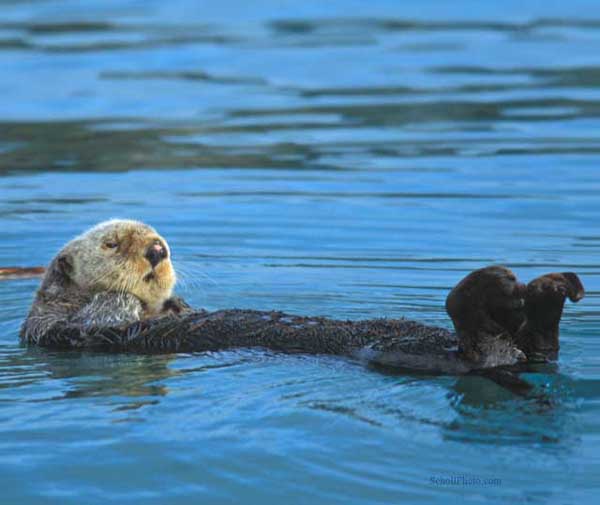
(64,264)
(575,289)
(59,271)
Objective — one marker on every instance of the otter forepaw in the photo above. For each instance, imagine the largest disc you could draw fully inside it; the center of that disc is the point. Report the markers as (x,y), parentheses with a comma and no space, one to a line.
(175,305)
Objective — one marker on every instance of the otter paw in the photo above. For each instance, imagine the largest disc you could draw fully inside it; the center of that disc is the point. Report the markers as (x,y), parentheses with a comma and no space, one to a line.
(175,305)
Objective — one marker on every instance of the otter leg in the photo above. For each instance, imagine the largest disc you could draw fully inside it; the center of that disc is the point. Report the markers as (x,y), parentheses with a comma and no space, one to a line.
(109,309)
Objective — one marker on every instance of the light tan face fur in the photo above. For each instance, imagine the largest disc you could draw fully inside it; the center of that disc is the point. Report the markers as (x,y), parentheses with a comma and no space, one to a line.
(111,256)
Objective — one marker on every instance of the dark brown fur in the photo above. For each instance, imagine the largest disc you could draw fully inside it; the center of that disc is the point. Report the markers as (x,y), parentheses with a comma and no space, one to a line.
(486,309)
(538,336)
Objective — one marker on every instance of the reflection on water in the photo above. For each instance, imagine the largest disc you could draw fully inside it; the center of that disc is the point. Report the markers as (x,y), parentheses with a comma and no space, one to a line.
(350,159)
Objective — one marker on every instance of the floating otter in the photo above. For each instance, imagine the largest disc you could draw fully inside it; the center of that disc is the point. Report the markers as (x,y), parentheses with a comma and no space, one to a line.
(111,289)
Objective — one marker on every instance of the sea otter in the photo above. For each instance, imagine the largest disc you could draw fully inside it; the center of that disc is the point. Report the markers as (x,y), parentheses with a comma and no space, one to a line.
(111,289)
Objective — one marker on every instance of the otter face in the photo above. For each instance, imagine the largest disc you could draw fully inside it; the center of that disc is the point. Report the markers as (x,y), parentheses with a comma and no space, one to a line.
(123,256)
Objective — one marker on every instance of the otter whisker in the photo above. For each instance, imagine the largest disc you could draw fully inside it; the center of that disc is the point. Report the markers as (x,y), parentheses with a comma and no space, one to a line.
(189,274)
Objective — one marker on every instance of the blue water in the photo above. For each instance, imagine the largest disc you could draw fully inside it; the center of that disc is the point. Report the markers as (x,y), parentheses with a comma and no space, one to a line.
(347,158)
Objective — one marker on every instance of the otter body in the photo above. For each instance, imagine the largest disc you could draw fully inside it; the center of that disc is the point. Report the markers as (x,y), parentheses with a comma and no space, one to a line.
(397,342)
(111,289)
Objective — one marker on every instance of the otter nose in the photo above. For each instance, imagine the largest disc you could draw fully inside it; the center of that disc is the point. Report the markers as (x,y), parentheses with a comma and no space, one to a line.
(156,253)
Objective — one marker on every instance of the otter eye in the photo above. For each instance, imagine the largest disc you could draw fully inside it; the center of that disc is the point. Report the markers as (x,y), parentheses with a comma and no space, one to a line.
(111,244)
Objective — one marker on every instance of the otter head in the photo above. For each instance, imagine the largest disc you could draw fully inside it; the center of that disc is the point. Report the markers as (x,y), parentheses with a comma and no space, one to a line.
(118,255)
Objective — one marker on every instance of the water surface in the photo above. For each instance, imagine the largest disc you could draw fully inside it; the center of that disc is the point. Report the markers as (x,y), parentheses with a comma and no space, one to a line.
(354,160)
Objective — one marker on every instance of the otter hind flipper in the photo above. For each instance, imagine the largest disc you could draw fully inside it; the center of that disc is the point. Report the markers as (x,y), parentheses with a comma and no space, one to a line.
(486,308)
(544,303)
